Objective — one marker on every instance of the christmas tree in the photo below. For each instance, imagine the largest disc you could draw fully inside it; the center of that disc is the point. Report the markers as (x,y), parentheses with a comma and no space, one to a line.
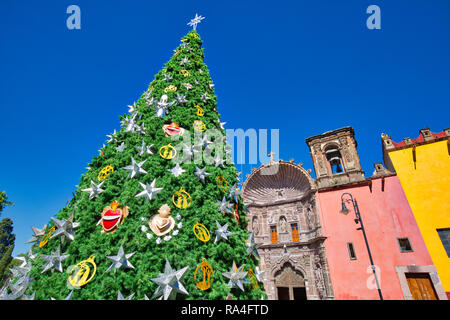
(158,214)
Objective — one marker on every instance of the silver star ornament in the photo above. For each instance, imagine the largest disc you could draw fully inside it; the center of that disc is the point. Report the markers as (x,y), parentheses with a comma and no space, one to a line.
(252,246)
(94,190)
(169,283)
(135,168)
(64,228)
(185,60)
(121,147)
(188,86)
(224,206)
(259,274)
(144,148)
(222,232)
(236,276)
(132,108)
(120,260)
(181,98)
(37,234)
(120,296)
(201,174)
(54,260)
(234,193)
(205,97)
(177,170)
(112,137)
(150,191)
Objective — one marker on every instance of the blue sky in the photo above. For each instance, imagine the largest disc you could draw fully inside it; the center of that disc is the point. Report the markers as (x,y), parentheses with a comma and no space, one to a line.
(304,67)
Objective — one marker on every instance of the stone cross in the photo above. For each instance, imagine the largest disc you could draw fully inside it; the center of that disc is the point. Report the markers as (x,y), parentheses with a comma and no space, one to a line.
(271,154)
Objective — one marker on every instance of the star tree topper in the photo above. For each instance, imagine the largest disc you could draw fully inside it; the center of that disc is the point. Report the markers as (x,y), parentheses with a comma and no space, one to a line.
(197,19)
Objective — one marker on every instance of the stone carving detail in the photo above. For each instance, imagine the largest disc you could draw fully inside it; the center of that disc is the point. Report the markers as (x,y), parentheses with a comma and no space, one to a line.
(347,155)
(272,215)
(280,194)
(320,164)
(287,276)
(319,278)
(343,141)
(255,225)
(283,224)
(310,218)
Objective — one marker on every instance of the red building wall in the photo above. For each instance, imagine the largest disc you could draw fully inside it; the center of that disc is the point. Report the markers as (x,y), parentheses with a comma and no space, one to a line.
(386,216)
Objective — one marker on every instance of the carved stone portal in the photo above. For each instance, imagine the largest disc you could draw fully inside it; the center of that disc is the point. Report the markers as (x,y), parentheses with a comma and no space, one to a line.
(290,284)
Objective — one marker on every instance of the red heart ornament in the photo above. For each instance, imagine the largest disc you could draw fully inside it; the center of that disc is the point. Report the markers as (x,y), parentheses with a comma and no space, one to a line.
(173,129)
(111,219)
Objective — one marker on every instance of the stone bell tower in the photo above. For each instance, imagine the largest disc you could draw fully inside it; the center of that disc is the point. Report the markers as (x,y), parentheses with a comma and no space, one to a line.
(335,158)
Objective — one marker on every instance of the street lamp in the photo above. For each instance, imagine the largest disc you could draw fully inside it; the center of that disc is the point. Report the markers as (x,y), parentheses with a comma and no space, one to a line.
(358,219)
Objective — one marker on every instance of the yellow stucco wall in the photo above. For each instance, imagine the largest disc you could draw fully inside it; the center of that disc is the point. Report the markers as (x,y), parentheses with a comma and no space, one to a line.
(427,189)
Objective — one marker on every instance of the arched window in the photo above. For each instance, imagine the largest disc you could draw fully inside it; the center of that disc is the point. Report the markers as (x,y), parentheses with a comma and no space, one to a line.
(294,228)
(334,158)
(273,234)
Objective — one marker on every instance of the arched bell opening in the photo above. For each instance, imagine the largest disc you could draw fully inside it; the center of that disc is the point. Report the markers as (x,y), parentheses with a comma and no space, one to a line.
(334,158)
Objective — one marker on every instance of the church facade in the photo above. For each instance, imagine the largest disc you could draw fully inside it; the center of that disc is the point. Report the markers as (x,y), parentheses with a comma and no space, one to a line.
(314,249)
(281,197)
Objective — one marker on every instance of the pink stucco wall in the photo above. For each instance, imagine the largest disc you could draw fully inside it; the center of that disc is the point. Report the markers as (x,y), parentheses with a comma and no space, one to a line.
(386,216)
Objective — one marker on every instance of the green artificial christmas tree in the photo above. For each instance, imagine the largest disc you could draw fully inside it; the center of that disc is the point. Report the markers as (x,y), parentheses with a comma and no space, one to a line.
(158,214)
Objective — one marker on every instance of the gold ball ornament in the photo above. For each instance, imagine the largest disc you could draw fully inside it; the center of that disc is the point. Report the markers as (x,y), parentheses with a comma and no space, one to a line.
(201,232)
(206,271)
(167,152)
(105,172)
(84,272)
(181,199)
